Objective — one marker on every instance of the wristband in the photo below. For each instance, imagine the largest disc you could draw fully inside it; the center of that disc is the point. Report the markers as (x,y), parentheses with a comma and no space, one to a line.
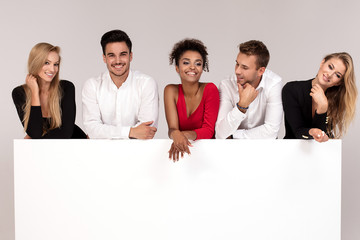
(244,108)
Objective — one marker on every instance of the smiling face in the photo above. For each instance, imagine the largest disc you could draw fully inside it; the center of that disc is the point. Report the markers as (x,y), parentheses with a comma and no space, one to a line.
(117,58)
(190,66)
(50,68)
(246,70)
(330,73)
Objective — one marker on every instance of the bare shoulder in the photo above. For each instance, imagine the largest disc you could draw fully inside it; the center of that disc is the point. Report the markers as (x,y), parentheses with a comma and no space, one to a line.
(171,89)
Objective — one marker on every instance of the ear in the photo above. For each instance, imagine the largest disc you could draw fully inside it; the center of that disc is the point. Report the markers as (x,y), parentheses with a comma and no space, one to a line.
(261,71)
(104,58)
(177,69)
(131,56)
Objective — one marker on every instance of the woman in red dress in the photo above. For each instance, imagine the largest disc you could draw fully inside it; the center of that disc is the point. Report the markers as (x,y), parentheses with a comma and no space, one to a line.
(191,107)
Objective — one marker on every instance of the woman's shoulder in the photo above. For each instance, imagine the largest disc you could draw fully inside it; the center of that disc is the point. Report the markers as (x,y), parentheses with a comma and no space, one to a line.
(297,85)
(172,88)
(66,84)
(18,92)
(210,87)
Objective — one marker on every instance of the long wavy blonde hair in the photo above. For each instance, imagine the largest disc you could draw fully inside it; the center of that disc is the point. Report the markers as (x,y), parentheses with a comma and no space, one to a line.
(37,58)
(341,98)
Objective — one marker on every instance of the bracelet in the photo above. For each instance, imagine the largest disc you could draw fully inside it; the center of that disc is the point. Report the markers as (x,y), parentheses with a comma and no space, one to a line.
(244,108)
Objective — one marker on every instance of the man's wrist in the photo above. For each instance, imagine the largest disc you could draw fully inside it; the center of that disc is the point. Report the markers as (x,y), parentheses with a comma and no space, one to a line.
(242,109)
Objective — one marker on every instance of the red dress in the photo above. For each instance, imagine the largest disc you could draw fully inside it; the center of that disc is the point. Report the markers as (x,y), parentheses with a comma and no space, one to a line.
(203,119)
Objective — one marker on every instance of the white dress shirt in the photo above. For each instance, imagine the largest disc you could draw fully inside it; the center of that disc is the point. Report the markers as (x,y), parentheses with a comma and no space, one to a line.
(261,120)
(110,112)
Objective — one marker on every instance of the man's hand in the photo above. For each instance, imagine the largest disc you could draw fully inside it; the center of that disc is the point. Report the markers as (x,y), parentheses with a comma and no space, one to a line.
(247,95)
(143,131)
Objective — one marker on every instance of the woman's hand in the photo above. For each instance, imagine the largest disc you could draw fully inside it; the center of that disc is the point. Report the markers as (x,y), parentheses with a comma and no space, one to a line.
(174,153)
(318,95)
(31,82)
(318,135)
(180,145)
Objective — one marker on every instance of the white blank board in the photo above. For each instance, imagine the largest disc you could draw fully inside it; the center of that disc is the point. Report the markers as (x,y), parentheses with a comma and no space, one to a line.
(128,189)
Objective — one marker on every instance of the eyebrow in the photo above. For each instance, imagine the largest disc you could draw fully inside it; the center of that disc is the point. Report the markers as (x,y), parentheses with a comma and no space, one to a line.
(243,65)
(337,71)
(109,53)
(47,60)
(189,59)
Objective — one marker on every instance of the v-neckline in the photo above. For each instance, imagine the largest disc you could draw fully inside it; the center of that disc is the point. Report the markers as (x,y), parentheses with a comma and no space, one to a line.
(183,99)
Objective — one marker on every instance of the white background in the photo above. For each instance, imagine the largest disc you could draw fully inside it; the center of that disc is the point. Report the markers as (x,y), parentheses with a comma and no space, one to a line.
(297,33)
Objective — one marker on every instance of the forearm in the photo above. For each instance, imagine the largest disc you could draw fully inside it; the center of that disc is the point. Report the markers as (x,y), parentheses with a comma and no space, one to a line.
(229,124)
(191,135)
(264,131)
(105,131)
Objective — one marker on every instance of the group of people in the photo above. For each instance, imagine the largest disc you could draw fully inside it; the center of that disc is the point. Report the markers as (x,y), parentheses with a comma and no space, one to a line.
(123,103)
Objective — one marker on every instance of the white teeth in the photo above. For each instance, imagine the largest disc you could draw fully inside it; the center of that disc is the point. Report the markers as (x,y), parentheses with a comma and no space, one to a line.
(49,74)
(190,73)
(118,66)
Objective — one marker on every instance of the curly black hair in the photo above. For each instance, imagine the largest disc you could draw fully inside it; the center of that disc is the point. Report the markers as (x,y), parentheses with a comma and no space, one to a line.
(192,45)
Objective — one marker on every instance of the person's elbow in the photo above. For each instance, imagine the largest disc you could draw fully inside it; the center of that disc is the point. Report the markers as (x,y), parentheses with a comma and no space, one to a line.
(271,131)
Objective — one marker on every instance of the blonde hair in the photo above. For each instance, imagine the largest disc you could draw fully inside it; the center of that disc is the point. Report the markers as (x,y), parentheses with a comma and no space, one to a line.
(37,58)
(341,98)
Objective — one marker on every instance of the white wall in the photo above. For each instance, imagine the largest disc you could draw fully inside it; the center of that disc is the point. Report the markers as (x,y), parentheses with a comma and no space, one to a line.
(297,33)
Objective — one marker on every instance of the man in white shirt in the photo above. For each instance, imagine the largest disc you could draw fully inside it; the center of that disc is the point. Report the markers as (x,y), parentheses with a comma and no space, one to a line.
(120,103)
(250,99)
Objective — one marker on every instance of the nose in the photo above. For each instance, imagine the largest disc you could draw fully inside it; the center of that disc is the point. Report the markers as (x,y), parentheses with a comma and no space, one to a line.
(52,67)
(237,70)
(192,66)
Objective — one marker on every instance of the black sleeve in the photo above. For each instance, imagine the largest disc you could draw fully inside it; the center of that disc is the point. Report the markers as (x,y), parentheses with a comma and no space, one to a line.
(35,124)
(68,112)
(18,96)
(294,111)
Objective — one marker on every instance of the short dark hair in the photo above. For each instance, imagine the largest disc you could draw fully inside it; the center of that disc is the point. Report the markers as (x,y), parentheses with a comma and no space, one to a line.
(115,36)
(258,49)
(189,44)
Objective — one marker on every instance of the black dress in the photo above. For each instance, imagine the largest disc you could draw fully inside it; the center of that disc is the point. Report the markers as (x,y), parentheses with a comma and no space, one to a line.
(297,104)
(37,123)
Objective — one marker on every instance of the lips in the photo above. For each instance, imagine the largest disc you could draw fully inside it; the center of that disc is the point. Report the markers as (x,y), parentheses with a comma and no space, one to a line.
(49,74)
(326,79)
(118,66)
(191,73)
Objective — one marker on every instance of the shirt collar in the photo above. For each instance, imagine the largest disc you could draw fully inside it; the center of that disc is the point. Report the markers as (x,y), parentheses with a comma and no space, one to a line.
(262,81)
(127,81)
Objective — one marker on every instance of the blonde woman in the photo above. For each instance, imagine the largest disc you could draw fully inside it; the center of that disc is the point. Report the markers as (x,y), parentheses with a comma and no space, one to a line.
(322,107)
(46,105)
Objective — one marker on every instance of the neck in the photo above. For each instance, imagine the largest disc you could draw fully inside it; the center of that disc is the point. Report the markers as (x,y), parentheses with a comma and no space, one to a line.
(118,80)
(256,83)
(190,89)
(43,86)
(316,81)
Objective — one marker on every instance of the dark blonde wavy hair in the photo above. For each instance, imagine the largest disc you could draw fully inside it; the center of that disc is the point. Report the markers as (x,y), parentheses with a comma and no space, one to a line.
(37,58)
(341,98)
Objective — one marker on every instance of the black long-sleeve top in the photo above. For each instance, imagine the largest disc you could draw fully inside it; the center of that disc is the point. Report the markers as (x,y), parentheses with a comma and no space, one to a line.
(37,123)
(297,104)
